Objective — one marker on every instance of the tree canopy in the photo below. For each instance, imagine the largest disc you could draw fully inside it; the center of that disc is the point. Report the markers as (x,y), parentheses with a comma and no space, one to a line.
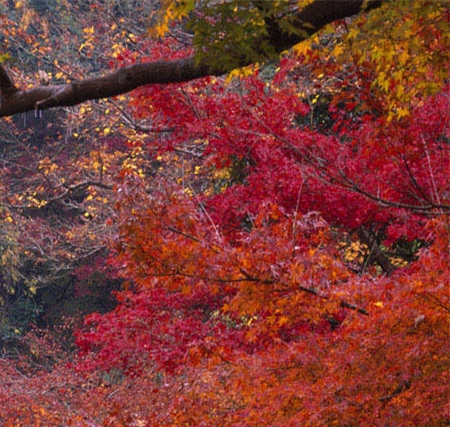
(263,33)
(247,226)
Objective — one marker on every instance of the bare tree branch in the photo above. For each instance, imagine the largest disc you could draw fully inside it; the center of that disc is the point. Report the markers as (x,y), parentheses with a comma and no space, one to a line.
(375,252)
(309,20)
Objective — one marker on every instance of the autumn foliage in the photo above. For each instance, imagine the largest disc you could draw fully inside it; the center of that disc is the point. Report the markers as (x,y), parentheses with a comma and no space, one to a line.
(280,237)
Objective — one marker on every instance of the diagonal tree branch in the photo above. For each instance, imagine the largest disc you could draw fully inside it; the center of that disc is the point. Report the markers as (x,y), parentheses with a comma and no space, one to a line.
(121,81)
(308,20)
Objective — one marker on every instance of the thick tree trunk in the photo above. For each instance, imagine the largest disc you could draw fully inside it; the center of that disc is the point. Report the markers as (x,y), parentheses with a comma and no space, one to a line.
(121,81)
(310,19)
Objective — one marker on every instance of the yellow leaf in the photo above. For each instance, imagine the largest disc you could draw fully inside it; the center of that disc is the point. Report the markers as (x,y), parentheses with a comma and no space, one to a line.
(89,30)
(303,48)
(353,33)
(338,49)
(402,112)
